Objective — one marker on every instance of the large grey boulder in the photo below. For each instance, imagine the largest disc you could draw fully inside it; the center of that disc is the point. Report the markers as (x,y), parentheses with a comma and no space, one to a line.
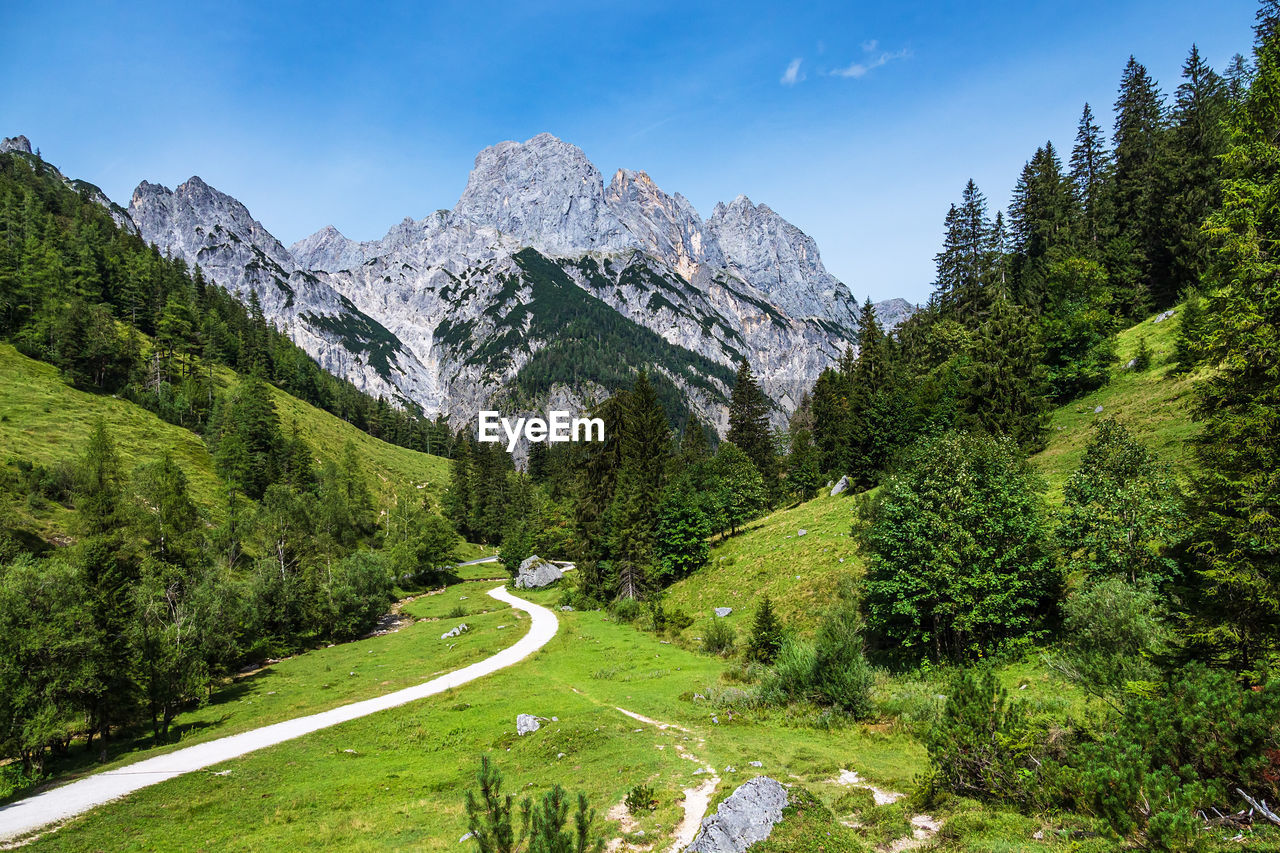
(723,611)
(746,817)
(527,724)
(839,487)
(535,573)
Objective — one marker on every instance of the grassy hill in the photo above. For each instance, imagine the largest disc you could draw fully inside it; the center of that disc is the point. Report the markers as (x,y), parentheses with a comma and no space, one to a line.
(45,421)
(1153,403)
(800,573)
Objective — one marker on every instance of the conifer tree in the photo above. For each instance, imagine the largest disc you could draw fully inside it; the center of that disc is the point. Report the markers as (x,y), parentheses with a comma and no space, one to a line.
(1236,541)
(1090,177)
(1197,143)
(1134,253)
(766,634)
(749,424)
(1041,218)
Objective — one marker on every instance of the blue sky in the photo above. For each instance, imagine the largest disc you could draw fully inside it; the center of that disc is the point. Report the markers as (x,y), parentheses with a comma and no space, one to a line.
(858,122)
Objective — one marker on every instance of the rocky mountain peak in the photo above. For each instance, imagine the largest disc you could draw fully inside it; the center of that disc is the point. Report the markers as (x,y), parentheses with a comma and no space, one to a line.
(780,260)
(546,194)
(667,227)
(17,143)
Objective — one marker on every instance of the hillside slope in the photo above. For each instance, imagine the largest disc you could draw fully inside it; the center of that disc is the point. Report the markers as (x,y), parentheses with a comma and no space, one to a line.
(801,573)
(45,421)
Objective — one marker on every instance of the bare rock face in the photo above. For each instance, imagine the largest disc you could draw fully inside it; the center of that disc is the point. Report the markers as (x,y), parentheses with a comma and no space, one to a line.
(215,231)
(17,143)
(666,227)
(746,817)
(780,261)
(546,194)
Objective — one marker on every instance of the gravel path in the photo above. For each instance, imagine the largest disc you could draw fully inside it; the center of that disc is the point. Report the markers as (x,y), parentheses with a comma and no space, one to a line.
(57,804)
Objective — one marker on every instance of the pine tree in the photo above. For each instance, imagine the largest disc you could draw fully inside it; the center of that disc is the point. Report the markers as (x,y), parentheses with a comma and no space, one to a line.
(1090,179)
(803,476)
(98,494)
(749,424)
(1197,143)
(1004,388)
(1134,254)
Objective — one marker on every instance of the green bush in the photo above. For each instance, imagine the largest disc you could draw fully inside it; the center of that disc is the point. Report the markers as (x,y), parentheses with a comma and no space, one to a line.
(841,676)
(1112,633)
(982,744)
(719,638)
(625,609)
(958,556)
(1187,747)
(542,826)
(641,799)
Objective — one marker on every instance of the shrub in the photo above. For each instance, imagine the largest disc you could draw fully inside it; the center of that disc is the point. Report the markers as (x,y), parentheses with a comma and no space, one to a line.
(958,552)
(841,676)
(457,612)
(982,744)
(1188,747)
(719,638)
(542,826)
(625,609)
(641,798)
(1112,633)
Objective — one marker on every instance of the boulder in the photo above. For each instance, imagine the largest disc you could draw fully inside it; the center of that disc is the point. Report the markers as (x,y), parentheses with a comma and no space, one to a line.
(1160,318)
(723,611)
(745,818)
(840,486)
(801,532)
(1097,410)
(456,632)
(527,724)
(535,573)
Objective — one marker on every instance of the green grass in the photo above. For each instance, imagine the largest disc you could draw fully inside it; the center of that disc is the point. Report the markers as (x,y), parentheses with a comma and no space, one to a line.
(766,558)
(1152,403)
(403,784)
(46,421)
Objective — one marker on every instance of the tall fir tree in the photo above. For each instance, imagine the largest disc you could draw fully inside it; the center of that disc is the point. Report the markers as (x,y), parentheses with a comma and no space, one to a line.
(1134,253)
(749,424)
(1197,142)
(1090,183)
(1041,219)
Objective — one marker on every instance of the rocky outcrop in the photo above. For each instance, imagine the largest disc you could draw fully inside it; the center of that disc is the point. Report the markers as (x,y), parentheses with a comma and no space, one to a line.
(211,229)
(535,573)
(746,817)
(17,143)
(780,261)
(546,194)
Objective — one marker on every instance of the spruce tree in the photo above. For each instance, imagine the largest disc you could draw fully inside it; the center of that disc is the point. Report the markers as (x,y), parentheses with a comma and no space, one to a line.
(1090,178)
(1197,142)
(1134,253)
(766,634)
(1236,541)
(1041,218)
(749,424)
(644,445)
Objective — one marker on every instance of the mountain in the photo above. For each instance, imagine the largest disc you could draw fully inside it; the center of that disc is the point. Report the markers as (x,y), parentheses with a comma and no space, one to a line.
(542,285)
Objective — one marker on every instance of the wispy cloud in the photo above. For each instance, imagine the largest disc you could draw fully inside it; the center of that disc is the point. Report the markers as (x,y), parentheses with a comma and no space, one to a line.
(874,59)
(792,75)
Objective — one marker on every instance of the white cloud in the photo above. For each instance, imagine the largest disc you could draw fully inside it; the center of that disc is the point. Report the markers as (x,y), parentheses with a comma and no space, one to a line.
(862,67)
(792,75)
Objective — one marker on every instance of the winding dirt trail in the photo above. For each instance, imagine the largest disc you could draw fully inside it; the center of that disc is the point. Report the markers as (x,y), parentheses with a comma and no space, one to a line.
(57,804)
(697,798)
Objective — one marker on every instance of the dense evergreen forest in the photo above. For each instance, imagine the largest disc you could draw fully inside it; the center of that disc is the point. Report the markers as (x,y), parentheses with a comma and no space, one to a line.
(1156,589)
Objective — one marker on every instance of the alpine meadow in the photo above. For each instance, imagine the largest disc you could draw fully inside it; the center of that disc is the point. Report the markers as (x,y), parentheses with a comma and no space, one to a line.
(569,520)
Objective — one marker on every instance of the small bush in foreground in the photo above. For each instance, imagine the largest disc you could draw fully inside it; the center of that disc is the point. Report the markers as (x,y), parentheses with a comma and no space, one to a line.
(542,826)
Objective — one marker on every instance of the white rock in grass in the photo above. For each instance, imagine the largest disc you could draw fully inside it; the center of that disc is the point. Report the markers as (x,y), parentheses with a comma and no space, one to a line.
(527,724)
